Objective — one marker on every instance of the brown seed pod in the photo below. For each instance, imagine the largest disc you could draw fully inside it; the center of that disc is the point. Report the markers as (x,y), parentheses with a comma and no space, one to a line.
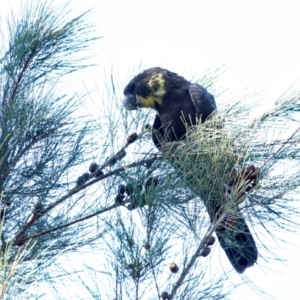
(205,251)
(120,155)
(119,199)
(131,206)
(131,243)
(146,246)
(245,180)
(121,189)
(93,167)
(81,180)
(173,268)
(210,240)
(165,296)
(99,173)
(86,176)
(132,138)
(111,161)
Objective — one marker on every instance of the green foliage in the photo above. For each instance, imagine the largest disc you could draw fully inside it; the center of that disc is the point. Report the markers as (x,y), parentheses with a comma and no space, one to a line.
(41,137)
(132,211)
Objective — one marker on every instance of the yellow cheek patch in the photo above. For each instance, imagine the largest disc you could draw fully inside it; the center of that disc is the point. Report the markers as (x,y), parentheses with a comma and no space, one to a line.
(157,84)
(150,101)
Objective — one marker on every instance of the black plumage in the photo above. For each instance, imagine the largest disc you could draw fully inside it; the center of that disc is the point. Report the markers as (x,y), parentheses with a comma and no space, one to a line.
(179,105)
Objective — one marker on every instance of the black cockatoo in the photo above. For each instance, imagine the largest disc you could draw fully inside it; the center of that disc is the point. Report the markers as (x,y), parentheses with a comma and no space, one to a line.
(180,104)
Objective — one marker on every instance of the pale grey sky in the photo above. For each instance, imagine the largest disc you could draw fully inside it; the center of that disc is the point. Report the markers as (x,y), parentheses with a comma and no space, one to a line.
(258,41)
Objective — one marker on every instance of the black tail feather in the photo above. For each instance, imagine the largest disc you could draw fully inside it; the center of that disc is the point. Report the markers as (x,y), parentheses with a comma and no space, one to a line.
(237,241)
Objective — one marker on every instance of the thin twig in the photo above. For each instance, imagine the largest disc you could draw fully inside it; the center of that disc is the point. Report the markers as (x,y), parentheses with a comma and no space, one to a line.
(50,207)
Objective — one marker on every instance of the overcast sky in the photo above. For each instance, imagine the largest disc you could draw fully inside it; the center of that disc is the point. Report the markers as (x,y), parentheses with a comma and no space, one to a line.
(257,41)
